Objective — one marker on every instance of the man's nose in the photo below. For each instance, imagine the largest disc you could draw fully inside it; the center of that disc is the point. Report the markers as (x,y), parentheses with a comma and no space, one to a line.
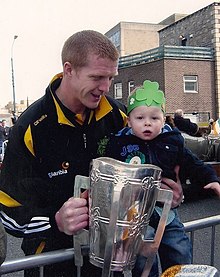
(104,85)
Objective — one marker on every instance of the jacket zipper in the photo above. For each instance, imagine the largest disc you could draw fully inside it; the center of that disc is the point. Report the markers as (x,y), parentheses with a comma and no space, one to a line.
(85,140)
(149,153)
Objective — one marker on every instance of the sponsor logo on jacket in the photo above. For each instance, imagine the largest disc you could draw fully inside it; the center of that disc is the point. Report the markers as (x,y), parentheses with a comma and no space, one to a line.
(65,166)
(40,119)
(57,173)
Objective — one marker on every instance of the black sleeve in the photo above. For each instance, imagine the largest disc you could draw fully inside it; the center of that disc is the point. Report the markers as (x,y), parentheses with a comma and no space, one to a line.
(195,169)
(193,128)
(25,210)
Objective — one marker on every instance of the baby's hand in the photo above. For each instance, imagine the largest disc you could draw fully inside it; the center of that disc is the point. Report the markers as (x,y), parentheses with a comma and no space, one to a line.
(215,186)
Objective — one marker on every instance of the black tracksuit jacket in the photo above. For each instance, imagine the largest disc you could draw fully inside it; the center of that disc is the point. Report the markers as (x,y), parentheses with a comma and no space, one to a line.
(48,147)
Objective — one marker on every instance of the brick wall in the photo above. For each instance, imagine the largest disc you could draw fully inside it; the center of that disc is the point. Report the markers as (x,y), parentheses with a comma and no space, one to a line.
(169,74)
(200,29)
(199,25)
(204,100)
(152,71)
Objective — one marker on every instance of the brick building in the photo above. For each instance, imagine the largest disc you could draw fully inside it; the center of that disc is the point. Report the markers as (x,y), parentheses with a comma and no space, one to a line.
(186,64)
(172,74)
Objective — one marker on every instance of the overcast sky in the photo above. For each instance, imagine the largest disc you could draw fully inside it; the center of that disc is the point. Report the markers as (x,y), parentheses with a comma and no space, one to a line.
(42,26)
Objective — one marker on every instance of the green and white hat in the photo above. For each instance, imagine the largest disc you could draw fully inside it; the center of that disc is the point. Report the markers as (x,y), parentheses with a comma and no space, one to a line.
(147,95)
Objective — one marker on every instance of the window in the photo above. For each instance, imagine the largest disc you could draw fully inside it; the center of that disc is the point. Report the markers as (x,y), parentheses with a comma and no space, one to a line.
(118,90)
(130,87)
(190,84)
(115,38)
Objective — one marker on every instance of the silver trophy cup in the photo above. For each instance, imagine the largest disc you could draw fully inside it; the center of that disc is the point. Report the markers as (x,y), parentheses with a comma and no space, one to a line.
(122,198)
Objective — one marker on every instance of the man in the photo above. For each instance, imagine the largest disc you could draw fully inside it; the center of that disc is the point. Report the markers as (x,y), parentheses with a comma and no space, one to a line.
(53,141)
(13,117)
(184,124)
(4,134)
(4,131)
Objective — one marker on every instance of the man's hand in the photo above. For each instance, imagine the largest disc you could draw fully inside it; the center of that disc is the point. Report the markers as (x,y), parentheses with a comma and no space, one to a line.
(175,187)
(73,215)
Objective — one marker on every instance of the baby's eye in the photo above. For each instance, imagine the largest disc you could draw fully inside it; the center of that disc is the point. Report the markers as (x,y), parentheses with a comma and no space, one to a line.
(154,117)
(139,117)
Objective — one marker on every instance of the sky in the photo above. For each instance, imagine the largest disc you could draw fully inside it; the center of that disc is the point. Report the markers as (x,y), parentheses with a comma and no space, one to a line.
(42,26)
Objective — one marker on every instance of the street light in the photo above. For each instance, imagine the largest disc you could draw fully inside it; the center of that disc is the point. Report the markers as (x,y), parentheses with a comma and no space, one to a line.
(12,74)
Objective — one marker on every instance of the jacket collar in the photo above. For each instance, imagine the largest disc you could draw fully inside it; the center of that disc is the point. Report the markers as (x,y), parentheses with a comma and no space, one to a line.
(103,109)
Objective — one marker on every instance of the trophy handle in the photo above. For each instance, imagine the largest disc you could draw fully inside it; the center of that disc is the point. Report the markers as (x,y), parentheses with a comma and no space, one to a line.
(166,197)
(81,182)
(81,237)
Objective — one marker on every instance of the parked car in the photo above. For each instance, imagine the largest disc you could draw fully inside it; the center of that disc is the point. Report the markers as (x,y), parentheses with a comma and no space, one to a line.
(206,146)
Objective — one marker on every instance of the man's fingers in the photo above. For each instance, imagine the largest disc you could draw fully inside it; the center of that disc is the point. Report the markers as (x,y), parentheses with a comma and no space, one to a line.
(176,187)
(177,169)
(165,185)
(84,194)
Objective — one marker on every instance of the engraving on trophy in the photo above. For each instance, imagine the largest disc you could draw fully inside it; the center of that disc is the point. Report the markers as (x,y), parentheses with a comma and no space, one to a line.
(103,198)
(148,182)
(95,214)
(120,180)
(95,175)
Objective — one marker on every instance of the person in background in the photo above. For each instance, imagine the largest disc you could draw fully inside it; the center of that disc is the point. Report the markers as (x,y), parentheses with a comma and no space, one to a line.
(4,134)
(4,131)
(53,141)
(215,126)
(146,141)
(184,124)
(14,117)
(170,121)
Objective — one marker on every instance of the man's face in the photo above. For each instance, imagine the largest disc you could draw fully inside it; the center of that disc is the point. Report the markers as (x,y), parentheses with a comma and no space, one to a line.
(92,81)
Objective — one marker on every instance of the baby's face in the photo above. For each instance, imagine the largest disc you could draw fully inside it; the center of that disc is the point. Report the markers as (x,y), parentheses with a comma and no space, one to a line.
(146,122)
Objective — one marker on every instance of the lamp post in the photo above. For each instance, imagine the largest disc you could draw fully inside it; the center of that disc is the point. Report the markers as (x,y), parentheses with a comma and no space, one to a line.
(12,74)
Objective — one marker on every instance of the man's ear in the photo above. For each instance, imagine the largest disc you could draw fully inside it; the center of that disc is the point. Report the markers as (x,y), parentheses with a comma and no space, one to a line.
(67,68)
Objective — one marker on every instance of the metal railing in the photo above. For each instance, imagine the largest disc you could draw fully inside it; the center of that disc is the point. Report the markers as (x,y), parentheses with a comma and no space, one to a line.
(193,226)
(43,259)
(172,52)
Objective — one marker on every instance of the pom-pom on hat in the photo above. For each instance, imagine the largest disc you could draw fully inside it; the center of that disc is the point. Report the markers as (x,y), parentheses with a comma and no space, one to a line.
(147,95)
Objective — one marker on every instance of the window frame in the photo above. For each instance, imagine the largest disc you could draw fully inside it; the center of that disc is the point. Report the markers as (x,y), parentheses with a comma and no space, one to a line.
(188,81)
(130,87)
(118,91)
